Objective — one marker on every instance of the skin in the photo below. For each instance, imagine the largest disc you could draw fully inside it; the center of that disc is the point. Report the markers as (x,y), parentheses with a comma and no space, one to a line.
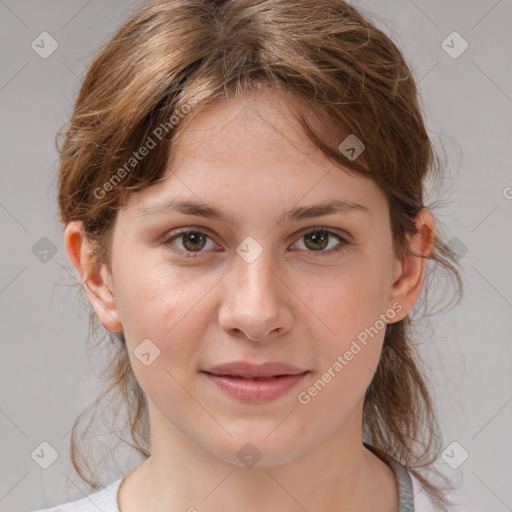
(248,159)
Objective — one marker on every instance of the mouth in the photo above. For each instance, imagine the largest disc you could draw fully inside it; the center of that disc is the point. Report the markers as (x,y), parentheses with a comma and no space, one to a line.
(250,378)
(256,379)
(243,385)
(246,370)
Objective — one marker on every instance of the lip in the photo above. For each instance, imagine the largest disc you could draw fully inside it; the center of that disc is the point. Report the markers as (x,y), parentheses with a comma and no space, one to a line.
(235,379)
(249,370)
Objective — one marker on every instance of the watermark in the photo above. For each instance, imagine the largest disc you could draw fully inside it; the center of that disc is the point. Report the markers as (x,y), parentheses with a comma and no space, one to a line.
(146,352)
(44,454)
(454,455)
(143,151)
(454,45)
(351,147)
(304,397)
(44,45)
(458,247)
(249,454)
(44,250)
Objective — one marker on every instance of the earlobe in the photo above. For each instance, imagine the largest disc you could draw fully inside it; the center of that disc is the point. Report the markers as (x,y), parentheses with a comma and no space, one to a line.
(94,275)
(409,284)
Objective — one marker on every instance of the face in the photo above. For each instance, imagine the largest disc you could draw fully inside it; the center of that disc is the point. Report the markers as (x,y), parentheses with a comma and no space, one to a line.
(254,283)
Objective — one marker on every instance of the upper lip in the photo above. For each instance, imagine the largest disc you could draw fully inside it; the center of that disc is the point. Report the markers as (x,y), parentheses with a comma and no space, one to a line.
(249,370)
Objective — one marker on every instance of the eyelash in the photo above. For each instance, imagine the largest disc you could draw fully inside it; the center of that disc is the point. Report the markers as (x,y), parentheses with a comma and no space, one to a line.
(343,246)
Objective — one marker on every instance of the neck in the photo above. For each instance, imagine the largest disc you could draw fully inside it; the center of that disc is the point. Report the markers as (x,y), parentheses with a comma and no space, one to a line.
(337,474)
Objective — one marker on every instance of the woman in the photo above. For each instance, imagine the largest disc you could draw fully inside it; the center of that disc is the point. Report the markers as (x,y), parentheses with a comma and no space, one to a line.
(241,185)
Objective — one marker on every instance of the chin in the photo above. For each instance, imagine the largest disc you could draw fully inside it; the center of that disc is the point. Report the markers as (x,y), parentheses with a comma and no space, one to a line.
(259,446)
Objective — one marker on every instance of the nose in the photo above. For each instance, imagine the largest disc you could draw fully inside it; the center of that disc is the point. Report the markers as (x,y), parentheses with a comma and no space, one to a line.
(256,300)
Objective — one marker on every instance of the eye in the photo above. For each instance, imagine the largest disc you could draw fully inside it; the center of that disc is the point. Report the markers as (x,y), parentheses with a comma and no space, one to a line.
(192,241)
(318,239)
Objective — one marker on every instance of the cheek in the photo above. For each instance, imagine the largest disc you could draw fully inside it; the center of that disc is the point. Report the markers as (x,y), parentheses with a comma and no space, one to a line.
(347,305)
(161,306)
(350,312)
(157,299)
(348,358)
(174,323)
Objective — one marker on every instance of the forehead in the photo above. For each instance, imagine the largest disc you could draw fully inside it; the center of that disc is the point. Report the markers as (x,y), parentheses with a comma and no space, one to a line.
(265,118)
(251,151)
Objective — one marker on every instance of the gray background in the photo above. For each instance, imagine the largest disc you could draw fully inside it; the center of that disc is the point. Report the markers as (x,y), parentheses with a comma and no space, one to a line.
(46,375)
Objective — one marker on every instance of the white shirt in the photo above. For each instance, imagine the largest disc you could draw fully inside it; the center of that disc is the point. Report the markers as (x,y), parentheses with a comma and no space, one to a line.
(106,500)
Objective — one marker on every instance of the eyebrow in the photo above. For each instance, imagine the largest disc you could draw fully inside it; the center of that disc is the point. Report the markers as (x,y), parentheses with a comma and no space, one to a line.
(298,213)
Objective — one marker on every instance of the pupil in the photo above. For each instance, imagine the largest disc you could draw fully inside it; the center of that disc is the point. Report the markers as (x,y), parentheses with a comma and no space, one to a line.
(196,238)
(318,237)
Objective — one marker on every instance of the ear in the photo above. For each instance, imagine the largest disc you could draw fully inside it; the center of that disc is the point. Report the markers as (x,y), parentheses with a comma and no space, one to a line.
(94,275)
(410,272)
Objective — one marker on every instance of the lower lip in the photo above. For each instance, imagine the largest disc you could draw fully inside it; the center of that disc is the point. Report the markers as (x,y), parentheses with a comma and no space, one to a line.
(256,390)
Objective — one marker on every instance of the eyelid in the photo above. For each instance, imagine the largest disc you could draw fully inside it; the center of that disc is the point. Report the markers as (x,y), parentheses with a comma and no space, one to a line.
(173,234)
(337,231)
(301,232)
(344,238)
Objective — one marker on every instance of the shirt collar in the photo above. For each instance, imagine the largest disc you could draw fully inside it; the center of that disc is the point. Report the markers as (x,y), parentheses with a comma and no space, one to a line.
(403,478)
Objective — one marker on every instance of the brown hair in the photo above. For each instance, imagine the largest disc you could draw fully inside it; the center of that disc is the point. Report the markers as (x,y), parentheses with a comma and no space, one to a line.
(343,76)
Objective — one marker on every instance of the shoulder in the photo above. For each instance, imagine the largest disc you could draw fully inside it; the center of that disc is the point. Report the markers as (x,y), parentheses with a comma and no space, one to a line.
(104,500)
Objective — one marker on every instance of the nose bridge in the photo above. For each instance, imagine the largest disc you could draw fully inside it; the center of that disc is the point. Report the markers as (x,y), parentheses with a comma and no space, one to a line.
(254,302)
(252,274)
